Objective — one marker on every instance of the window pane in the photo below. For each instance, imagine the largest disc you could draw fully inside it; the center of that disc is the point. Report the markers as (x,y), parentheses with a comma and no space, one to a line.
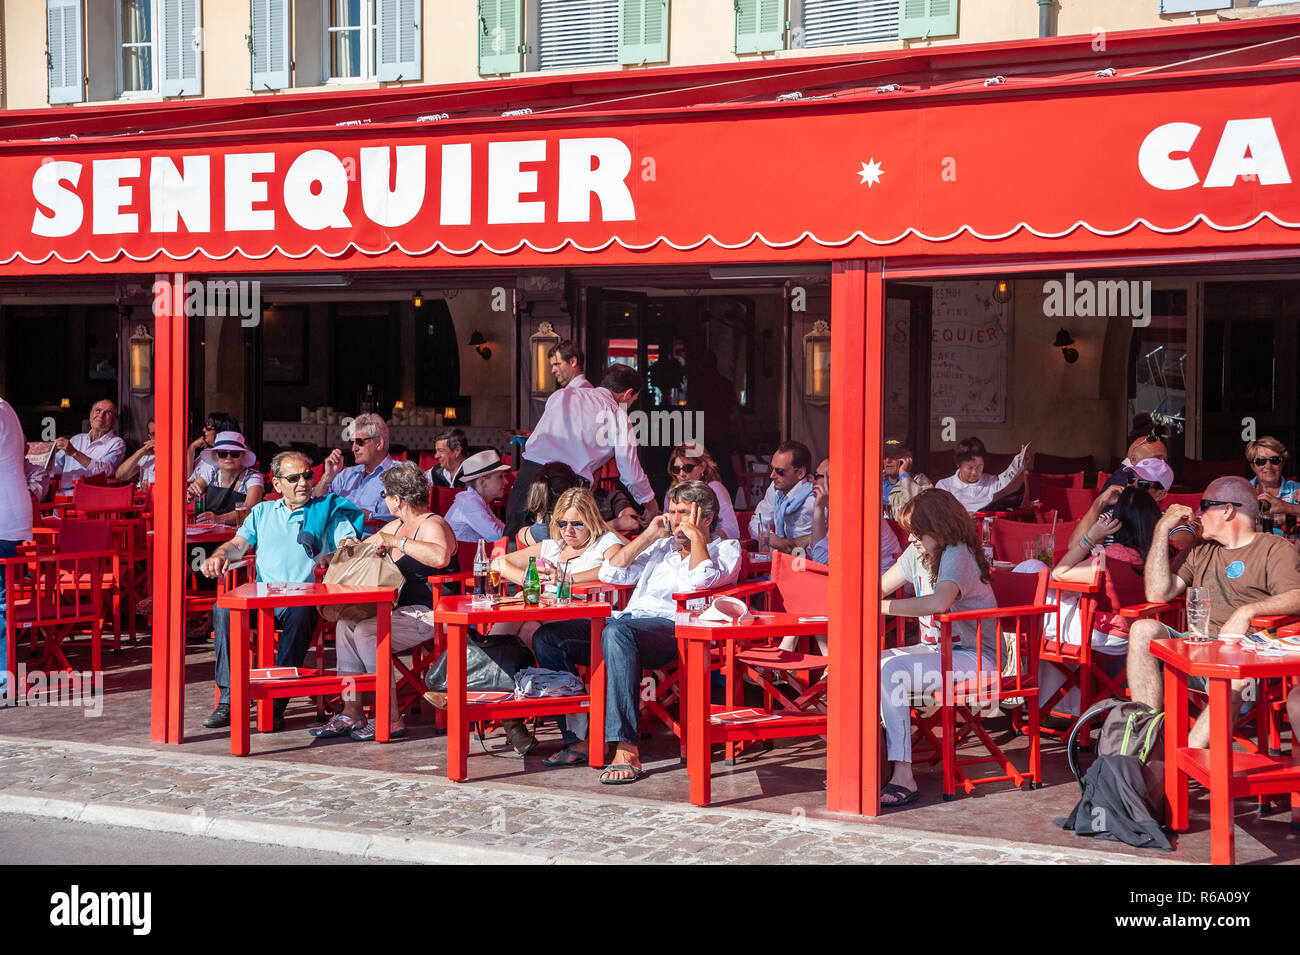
(137,24)
(345,54)
(345,13)
(137,69)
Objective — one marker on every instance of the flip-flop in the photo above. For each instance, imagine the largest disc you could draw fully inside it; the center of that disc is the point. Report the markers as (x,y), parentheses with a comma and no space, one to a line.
(608,780)
(365,733)
(565,757)
(906,796)
(338,725)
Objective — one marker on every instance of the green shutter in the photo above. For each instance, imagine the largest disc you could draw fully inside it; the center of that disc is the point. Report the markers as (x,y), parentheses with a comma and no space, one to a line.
(921,18)
(760,26)
(642,31)
(499,35)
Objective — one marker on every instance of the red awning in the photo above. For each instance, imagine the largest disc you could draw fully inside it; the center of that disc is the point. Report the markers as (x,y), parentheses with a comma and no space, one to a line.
(1161,139)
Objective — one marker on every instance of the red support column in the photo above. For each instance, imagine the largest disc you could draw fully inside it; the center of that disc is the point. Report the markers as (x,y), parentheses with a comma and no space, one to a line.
(857,387)
(171,367)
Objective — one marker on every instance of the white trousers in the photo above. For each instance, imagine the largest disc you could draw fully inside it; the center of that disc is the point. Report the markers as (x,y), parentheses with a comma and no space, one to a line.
(354,643)
(911,676)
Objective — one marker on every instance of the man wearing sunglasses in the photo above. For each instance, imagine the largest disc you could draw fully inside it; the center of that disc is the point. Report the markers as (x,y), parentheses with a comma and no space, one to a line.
(289,534)
(1144,448)
(1246,574)
(363,483)
(786,510)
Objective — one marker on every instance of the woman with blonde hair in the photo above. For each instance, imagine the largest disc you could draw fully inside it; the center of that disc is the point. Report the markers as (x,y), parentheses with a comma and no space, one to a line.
(691,462)
(1267,456)
(948,571)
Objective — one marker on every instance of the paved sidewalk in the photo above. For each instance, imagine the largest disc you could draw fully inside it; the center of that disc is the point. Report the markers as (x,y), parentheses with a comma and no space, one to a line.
(411,817)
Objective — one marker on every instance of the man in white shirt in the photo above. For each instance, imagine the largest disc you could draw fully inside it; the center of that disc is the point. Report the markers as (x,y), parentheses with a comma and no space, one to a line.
(976,490)
(15,510)
(98,451)
(449,448)
(363,483)
(141,464)
(470,516)
(786,510)
(678,552)
(583,427)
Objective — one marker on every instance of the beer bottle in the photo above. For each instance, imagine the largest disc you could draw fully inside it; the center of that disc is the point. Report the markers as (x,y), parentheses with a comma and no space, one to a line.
(1265,517)
(481,569)
(532,584)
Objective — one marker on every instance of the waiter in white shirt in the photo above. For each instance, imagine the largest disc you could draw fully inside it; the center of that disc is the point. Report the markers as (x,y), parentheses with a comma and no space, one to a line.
(98,451)
(583,427)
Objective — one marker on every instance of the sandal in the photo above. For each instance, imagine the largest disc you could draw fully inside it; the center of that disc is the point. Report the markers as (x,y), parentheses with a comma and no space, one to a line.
(902,797)
(335,727)
(608,780)
(565,757)
(365,732)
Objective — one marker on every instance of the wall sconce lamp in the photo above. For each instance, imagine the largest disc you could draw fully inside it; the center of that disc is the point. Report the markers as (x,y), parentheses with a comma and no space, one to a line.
(448,414)
(480,345)
(1065,342)
(1001,291)
(65,402)
(539,344)
(817,364)
(418,300)
(141,352)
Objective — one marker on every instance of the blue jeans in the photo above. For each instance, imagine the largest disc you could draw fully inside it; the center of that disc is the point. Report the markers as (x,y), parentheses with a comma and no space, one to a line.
(7,549)
(629,644)
(296,625)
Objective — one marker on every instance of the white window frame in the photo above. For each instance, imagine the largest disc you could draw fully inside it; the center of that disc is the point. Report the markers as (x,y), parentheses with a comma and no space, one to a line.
(795,14)
(532,40)
(369,51)
(155,26)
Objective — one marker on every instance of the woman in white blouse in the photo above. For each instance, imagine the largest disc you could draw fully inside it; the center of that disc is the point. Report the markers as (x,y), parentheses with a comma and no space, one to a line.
(691,462)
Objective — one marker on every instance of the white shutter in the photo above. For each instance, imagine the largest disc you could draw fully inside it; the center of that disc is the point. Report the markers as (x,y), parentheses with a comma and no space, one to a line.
(840,22)
(182,46)
(574,33)
(63,39)
(1193,6)
(399,39)
(270,32)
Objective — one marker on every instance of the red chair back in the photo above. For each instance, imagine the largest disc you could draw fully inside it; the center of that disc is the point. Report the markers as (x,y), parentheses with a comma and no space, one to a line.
(1037,480)
(465,552)
(1198,474)
(440,498)
(427,460)
(316,473)
(94,480)
(801,584)
(1009,538)
(1102,478)
(78,537)
(1016,590)
(1189,500)
(1070,503)
(742,520)
(93,497)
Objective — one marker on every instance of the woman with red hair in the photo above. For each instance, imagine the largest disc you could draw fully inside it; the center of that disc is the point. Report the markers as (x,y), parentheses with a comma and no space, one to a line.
(948,571)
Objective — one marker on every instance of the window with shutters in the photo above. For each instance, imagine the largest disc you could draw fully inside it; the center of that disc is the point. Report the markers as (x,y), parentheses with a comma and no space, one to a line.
(575,33)
(519,35)
(158,47)
(818,23)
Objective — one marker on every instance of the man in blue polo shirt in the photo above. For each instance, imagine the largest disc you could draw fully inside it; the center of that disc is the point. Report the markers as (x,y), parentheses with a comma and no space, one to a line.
(363,483)
(289,534)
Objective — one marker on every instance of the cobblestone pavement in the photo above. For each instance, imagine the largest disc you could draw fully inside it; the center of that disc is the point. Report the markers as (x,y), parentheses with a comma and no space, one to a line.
(409,817)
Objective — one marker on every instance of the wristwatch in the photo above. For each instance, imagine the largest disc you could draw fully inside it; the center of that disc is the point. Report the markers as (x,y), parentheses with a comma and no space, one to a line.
(402,545)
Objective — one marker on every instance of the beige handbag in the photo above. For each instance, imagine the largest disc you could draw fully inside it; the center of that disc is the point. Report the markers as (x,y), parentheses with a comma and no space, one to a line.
(360,565)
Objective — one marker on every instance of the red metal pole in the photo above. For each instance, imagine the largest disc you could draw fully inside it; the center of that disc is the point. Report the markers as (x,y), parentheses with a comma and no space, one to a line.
(171,333)
(857,339)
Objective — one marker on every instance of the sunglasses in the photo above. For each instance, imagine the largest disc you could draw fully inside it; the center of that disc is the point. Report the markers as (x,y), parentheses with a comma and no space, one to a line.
(682,468)
(576,525)
(781,472)
(1260,462)
(229,454)
(295,478)
(1206,505)
(1147,485)
(822,477)
(361,441)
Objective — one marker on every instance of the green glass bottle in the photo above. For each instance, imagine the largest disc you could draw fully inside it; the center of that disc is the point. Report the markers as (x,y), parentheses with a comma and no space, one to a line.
(532,584)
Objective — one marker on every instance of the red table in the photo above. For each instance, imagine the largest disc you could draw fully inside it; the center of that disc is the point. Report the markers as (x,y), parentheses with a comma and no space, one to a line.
(695,637)
(1226,774)
(264,599)
(458,614)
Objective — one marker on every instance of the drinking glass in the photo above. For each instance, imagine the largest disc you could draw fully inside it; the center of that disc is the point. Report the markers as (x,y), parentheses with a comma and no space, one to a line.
(563,586)
(1198,615)
(1045,548)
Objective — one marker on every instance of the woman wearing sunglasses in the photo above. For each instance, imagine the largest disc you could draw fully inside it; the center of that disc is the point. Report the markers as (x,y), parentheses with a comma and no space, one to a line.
(227,479)
(691,462)
(1267,456)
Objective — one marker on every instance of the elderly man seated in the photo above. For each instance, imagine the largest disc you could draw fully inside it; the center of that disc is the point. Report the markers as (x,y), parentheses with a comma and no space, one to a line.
(785,513)
(289,534)
(678,552)
(976,490)
(449,448)
(470,515)
(140,466)
(97,451)
(363,483)
(1246,574)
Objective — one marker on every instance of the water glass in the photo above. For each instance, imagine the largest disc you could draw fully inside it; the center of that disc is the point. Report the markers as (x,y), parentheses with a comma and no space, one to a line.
(1198,615)
(563,586)
(1045,548)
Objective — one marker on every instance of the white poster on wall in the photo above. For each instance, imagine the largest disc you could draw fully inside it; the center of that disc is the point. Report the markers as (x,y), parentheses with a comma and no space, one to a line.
(970,354)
